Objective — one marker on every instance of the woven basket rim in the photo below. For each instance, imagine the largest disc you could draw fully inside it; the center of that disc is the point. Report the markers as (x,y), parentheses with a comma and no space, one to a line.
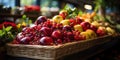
(56,46)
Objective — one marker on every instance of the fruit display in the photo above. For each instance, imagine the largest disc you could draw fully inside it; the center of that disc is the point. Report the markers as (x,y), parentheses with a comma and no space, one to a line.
(63,29)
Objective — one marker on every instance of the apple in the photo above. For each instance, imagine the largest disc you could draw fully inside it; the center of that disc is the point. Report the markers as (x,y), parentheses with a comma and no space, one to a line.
(88,20)
(65,22)
(94,28)
(40,20)
(72,22)
(95,23)
(85,34)
(57,19)
(67,28)
(46,41)
(70,36)
(78,27)
(45,31)
(57,34)
(25,40)
(91,33)
(63,13)
(79,20)
(19,36)
(101,31)
(110,30)
(59,26)
(85,25)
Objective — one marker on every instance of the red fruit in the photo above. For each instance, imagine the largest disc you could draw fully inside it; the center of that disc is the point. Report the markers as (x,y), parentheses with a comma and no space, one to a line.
(57,34)
(59,26)
(63,14)
(25,40)
(94,28)
(67,28)
(19,37)
(70,36)
(46,41)
(77,36)
(78,20)
(59,41)
(34,42)
(85,25)
(72,22)
(45,31)
(15,42)
(25,28)
(101,31)
(40,20)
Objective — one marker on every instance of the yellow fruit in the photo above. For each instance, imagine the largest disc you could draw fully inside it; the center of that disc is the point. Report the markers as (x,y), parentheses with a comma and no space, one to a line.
(88,20)
(110,30)
(92,14)
(85,34)
(65,22)
(24,24)
(95,23)
(78,27)
(91,33)
(18,25)
(57,19)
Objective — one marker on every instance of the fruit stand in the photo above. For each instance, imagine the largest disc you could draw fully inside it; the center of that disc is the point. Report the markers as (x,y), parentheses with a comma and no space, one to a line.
(65,34)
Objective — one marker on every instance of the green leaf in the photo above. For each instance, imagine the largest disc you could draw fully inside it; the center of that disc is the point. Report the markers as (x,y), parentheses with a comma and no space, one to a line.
(8,28)
(67,6)
(1,32)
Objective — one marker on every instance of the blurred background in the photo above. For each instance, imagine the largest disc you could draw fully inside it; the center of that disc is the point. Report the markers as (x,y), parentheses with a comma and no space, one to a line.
(25,12)
(49,8)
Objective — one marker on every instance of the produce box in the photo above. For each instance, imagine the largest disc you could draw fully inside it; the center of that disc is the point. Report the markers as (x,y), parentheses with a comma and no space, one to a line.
(54,52)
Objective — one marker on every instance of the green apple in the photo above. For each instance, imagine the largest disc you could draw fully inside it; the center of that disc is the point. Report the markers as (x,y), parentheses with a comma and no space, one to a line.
(78,27)
(57,19)
(65,22)
(110,30)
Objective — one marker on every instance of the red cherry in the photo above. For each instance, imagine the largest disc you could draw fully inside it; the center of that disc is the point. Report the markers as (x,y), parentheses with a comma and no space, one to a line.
(59,41)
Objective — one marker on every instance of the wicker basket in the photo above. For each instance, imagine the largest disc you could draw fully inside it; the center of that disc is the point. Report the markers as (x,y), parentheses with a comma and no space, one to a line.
(53,52)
